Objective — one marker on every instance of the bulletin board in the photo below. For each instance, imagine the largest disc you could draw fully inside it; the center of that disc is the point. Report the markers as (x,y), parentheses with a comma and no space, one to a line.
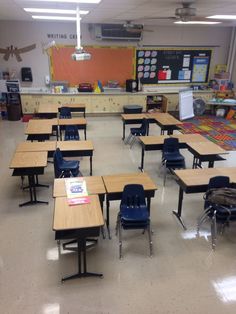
(171,66)
(107,63)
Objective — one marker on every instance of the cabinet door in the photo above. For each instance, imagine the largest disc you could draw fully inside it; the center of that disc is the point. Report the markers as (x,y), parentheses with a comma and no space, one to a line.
(117,102)
(100,103)
(172,101)
(30,103)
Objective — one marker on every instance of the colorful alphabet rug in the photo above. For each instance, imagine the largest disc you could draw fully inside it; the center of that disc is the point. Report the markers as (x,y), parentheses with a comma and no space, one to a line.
(216,129)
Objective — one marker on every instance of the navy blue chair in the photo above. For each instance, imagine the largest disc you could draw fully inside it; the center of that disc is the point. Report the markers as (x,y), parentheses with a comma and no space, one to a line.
(134,132)
(65,113)
(217,213)
(171,157)
(134,213)
(64,168)
(71,133)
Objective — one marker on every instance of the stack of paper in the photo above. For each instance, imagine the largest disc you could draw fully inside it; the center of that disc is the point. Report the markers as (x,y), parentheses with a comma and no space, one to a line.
(76,191)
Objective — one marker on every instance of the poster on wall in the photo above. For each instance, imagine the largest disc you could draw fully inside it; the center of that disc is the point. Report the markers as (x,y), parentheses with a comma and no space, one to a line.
(167,66)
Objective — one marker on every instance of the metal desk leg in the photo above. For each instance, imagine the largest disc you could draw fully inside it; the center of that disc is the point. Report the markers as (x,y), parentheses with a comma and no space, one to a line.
(178,214)
(148,129)
(211,164)
(142,159)
(37,184)
(85,135)
(81,274)
(32,190)
(123,131)
(108,218)
(91,165)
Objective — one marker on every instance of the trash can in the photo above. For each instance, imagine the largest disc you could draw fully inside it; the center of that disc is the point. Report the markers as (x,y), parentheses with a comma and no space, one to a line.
(133,109)
(13,112)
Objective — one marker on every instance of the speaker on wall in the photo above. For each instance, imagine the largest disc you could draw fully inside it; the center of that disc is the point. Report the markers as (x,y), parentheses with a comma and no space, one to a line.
(26,75)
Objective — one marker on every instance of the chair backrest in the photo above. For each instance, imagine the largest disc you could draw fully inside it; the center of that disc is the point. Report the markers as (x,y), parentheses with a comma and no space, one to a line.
(65,113)
(71,133)
(216,183)
(144,126)
(133,196)
(171,145)
(57,161)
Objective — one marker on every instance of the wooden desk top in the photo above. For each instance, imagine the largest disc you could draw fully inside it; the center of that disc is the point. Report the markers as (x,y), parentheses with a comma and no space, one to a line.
(116,183)
(77,216)
(40,126)
(207,148)
(190,138)
(48,108)
(74,105)
(183,138)
(28,160)
(95,185)
(164,118)
(75,145)
(152,140)
(36,146)
(133,116)
(72,121)
(196,177)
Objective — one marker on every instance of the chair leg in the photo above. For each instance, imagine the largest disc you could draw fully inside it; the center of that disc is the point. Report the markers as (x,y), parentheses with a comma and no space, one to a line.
(202,218)
(213,231)
(150,239)
(133,141)
(120,239)
(165,172)
(117,223)
(128,139)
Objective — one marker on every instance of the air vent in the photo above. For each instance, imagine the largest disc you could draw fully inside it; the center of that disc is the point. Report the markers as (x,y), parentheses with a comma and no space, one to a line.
(113,32)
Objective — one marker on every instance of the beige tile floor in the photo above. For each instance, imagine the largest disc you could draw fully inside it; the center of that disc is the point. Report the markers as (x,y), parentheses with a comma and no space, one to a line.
(183,276)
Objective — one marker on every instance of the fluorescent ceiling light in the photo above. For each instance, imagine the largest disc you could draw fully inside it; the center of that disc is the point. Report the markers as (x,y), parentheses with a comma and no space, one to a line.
(197,22)
(222,17)
(54,11)
(59,18)
(69,1)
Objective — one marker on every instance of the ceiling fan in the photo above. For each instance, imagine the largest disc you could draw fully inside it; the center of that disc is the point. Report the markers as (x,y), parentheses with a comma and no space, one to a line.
(185,13)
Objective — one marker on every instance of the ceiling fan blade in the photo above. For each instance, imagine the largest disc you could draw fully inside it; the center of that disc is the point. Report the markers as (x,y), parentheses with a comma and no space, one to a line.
(160,18)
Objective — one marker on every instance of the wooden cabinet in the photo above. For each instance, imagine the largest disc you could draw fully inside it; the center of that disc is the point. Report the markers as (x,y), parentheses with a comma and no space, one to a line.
(104,103)
(157,102)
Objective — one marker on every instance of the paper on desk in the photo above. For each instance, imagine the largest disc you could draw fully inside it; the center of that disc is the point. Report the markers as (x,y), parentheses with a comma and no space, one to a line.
(76,191)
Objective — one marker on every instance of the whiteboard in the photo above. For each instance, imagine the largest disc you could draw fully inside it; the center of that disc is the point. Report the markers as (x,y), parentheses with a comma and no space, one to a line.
(186,104)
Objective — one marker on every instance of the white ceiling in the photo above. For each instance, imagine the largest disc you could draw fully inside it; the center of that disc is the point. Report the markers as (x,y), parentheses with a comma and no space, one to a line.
(108,11)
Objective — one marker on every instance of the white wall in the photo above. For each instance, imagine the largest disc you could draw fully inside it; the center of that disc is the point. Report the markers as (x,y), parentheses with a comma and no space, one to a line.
(21,34)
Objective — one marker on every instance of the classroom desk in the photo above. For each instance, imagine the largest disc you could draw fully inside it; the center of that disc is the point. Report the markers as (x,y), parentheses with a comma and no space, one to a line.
(201,148)
(77,149)
(82,221)
(76,108)
(196,181)
(81,123)
(52,110)
(114,185)
(165,121)
(40,129)
(29,164)
(205,151)
(48,110)
(149,143)
(226,103)
(47,146)
(134,118)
